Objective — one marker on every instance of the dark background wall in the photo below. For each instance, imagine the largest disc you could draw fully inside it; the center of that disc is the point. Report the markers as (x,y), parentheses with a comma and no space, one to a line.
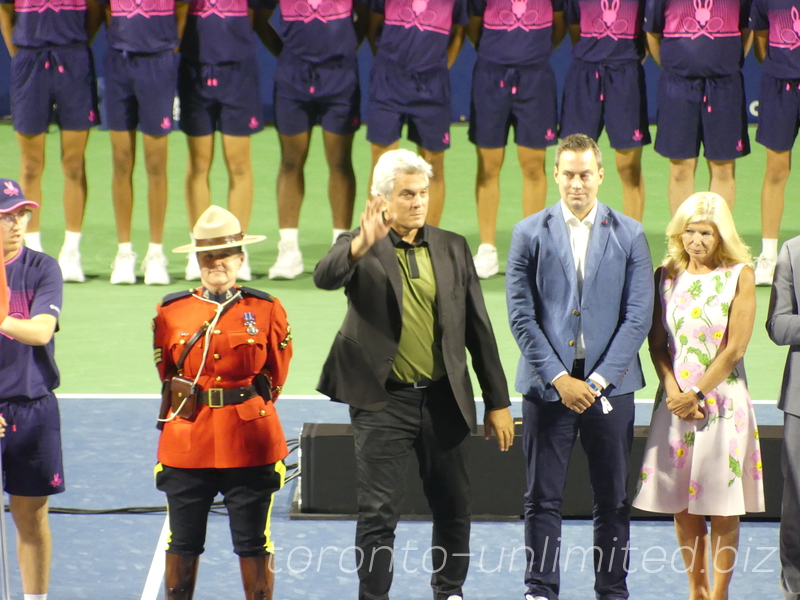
(461,76)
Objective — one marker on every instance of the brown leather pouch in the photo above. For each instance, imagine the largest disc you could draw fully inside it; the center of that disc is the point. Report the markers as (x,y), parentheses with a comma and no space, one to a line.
(183,397)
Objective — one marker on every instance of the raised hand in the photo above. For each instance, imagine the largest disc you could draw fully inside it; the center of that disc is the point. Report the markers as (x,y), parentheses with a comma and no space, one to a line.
(375,225)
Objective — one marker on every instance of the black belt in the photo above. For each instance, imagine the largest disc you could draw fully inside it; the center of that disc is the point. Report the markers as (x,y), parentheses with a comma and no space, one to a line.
(219,397)
(391,384)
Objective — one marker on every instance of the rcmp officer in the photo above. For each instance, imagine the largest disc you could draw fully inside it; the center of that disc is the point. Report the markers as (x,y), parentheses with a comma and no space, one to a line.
(223,354)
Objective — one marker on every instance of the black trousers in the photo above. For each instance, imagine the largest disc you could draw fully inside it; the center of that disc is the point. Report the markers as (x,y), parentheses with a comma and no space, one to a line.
(429,423)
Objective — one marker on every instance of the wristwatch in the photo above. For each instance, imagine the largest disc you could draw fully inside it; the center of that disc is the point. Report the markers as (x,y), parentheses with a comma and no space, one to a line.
(700,395)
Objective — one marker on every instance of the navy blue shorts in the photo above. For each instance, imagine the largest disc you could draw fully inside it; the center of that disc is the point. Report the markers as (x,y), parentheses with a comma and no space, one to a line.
(224,97)
(247,493)
(421,100)
(610,95)
(524,97)
(32,464)
(307,94)
(53,82)
(140,91)
(778,112)
(708,110)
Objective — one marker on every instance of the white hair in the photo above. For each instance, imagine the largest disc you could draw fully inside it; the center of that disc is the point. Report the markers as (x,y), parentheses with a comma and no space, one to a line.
(392,163)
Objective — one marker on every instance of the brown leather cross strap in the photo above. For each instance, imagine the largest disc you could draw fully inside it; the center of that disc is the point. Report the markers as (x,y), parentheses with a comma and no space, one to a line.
(201,332)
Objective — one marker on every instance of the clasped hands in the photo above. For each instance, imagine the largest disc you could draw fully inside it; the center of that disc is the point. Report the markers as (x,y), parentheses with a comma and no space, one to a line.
(684,405)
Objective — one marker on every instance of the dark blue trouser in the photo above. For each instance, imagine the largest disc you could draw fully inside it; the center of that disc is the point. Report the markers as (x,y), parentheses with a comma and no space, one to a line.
(429,423)
(549,431)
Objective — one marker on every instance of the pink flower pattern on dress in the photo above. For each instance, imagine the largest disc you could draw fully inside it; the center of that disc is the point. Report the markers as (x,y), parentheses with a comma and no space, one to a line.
(756,468)
(677,452)
(688,374)
(695,489)
(739,420)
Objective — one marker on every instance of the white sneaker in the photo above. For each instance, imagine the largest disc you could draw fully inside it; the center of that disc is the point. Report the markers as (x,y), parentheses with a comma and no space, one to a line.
(154,266)
(245,273)
(192,272)
(290,261)
(124,268)
(532,597)
(765,270)
(70,263)
(486,261)
(455,597)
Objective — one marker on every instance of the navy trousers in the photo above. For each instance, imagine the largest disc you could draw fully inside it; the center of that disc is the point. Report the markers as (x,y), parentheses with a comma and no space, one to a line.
(549,431)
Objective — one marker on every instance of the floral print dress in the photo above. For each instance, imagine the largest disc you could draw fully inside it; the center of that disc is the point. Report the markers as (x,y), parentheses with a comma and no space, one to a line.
(711,466)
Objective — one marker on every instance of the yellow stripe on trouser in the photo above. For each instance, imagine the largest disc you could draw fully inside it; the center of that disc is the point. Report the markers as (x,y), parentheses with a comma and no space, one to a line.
(269,546)
(156,470)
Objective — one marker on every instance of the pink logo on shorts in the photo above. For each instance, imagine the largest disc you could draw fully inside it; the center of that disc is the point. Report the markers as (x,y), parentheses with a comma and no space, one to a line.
(739,146)
(166,123)
(356,121)
(11,190)
(446,138)
(550,135)
(637,135)
(56,481)
(253,123)
(92,116)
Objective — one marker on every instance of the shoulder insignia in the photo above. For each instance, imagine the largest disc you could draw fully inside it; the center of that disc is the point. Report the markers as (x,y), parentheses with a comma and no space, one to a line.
(248,291)
(176,296)
(287,339)
(157,355)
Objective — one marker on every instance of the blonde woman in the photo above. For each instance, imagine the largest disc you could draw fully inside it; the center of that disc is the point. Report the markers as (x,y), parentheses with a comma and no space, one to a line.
(702,455)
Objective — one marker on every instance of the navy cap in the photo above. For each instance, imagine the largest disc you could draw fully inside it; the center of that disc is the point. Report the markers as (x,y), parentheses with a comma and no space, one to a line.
(11,196)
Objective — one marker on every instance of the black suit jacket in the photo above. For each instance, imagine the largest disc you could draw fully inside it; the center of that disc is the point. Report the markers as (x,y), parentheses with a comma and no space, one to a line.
(360,360)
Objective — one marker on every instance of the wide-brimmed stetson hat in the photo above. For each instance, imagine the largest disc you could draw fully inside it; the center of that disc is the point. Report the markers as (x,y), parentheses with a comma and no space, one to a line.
(216,229)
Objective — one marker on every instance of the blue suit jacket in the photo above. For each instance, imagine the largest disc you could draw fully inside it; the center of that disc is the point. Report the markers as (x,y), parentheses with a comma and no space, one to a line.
(615,308)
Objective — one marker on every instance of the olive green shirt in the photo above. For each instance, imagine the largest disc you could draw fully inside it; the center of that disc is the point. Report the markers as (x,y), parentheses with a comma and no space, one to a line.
(419,353)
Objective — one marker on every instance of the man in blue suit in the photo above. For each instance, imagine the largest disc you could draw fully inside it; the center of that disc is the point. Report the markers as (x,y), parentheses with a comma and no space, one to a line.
(580,300)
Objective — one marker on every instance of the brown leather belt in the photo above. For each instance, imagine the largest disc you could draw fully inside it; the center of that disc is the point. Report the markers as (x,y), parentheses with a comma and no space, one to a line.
(219,397)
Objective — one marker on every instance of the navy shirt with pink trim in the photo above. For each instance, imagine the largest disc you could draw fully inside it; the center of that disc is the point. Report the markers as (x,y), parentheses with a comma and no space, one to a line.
(782,19)
(145,27)
(43,23)
(219,31)
(317,31)
(611,30)
(701,38)
(416,33)
(35,286)
(516,32)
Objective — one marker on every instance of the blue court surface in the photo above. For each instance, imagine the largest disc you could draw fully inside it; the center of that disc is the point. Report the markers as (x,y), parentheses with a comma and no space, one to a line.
(109,452)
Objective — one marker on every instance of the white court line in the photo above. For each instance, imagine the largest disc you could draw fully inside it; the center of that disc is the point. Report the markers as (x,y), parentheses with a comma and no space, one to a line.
(285,397)
(156,574)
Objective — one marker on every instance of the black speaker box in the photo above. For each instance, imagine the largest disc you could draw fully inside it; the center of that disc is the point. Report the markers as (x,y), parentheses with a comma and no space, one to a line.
(328,482)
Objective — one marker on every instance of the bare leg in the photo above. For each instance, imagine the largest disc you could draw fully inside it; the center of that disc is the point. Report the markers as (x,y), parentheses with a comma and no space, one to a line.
(487,191)
(31,149)
(629,167)
(123,147)
(34,542)
(291,181)
(724,545)
(681,181)
(240,177)
(73,164)
(377,152)
(534,179)
(692,537)
(342,182)
(155,159)
(779,164)
(723,179)
(436,189)
(198,193)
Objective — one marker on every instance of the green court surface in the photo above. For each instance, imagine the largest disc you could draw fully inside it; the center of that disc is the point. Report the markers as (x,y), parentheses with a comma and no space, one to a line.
(104,345)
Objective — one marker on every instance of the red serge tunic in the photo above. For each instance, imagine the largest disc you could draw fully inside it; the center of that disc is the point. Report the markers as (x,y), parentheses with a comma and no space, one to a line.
(239,435)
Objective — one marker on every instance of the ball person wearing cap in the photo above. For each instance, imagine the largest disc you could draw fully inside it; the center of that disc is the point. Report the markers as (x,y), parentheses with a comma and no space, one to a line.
(239,345)
(32,468)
